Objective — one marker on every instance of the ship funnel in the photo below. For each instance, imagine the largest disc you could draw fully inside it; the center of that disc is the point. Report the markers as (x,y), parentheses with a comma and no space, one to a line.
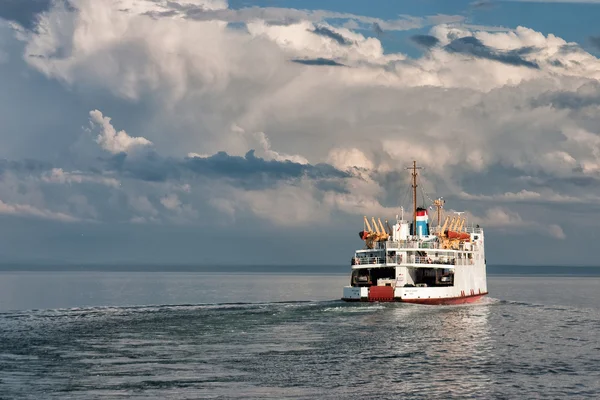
(422,222)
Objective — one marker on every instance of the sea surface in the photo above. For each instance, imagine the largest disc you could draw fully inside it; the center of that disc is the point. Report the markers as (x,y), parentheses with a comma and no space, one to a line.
(283,333)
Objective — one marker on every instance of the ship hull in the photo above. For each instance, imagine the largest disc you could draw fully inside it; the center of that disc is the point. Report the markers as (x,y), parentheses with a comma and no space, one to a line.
(439,301)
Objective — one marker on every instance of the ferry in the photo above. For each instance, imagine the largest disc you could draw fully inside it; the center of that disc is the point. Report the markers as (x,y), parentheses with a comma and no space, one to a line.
(413,262)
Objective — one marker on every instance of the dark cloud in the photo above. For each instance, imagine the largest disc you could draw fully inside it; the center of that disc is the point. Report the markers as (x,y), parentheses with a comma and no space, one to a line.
(270,15)
(566,100)
(332,185)
(160,14)
(398,190)
(585,96)
(284,22)
(567,183)
(425,40)
(377,29)
(595,41)
(24,166)
(473,46)
(570,48)
(326,32)
(318,61)
(482,4)
(248,171)
(238,26)
(557,63)
(185,7)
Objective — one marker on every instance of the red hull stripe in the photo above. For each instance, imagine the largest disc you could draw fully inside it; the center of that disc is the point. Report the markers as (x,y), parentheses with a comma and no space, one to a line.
(438,301)
(446,301)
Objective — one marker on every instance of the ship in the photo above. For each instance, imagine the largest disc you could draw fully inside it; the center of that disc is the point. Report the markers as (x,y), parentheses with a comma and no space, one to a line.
(414,262)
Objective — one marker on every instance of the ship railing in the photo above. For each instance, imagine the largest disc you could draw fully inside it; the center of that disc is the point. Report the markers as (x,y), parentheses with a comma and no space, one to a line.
(414,244)
(430,260)
(367,260)
(473,229)
(469,228)
(396,259)
(407,244)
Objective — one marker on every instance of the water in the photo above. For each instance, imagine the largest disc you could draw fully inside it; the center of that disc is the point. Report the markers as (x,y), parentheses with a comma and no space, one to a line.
(184,335)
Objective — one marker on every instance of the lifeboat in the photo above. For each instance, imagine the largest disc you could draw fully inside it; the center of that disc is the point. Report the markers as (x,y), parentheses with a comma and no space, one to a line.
(458,235)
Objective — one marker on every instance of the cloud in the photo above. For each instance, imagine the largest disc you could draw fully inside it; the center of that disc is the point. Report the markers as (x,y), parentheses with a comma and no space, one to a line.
(248,171)
(113,141)
(529,196)
(270,154)
(221,124)
(588,94)
(390,82)
(425,40)
(171,202)
(473,46)
(31,211)
(24,166)
(377,29)
(273,205)
(481,4)
(288,16)
(58,175)
(512,222)
(330,33)
(318,61)
(348,158)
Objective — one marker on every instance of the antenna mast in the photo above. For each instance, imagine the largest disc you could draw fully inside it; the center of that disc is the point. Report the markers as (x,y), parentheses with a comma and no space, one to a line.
(414,186)
(439,203)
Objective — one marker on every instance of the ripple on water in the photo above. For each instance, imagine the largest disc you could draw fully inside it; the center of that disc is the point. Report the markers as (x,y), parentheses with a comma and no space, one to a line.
(307,350)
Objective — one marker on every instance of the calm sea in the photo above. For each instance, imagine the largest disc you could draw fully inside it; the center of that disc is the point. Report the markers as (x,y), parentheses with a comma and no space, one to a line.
(275,332)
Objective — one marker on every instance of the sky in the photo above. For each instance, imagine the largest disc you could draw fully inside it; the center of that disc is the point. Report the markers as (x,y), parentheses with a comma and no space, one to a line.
(238,132)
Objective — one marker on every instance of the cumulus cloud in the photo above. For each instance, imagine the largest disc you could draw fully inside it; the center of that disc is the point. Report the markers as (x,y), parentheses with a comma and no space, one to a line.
(171,202)
(302,114)
(344,159)
(113,141)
